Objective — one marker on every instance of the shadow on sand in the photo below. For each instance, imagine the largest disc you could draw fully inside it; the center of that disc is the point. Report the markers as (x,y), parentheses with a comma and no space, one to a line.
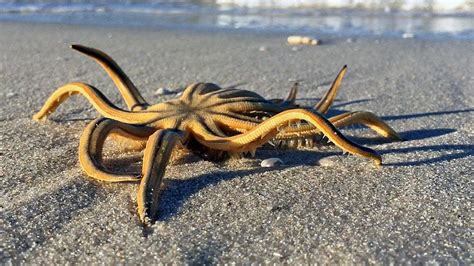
(410,116)
(34,222)
(178,191)
(452,152)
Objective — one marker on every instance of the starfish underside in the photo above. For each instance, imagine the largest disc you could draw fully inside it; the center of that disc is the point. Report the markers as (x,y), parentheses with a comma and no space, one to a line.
(210,121)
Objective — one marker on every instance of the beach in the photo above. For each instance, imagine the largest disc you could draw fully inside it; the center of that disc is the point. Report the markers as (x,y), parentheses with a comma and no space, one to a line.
(320,206)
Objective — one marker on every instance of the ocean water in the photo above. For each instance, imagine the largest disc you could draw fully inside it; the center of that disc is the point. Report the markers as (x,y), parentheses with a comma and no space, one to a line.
(339,18)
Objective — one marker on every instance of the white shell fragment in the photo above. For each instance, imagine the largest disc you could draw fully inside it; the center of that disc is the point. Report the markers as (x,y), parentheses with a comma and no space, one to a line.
(262,48)
(271,162)
(408,35)
(296,40)
(163,91)
(328,161)
(11,94)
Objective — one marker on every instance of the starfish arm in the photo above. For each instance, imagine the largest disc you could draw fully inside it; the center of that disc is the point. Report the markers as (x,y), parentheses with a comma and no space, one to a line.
(92,142)
(226,95)
(199,89)
(213,127)
(210,140)
(157,153)
(221,93)
(248,106)
(291,97)
(364,118)
(270,127)
(235,123)
(289,101)
(129,142)
(97,99)
(130,93)
(234,102)
(323,105)
(367,119)
(249,117)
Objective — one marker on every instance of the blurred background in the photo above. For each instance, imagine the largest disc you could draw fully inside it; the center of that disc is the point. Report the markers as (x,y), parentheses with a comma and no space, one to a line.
(345,18)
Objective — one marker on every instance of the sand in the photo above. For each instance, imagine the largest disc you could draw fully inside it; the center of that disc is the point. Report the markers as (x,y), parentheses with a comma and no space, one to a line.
(320,206)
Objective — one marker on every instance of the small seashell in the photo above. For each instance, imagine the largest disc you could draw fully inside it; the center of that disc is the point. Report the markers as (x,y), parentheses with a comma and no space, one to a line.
(271,162)
(262,48)
(295,40)
(163,91)
(295,49)
(11,94)
(408,35)
(328,161)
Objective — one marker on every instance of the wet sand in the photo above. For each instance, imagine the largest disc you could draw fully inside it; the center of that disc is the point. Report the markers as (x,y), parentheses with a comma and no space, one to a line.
(320,206)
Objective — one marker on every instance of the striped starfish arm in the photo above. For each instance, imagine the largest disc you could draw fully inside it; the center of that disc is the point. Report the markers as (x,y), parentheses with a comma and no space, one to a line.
(367,119)
(269,129)
(131,95)
(97,99)
(325,103)
(92,142)
(157,154)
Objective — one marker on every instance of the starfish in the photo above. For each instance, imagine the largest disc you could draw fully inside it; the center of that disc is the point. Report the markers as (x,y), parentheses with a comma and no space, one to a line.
(210,121)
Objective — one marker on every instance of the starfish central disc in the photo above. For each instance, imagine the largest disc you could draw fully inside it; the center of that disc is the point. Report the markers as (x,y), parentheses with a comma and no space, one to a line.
(220,110)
